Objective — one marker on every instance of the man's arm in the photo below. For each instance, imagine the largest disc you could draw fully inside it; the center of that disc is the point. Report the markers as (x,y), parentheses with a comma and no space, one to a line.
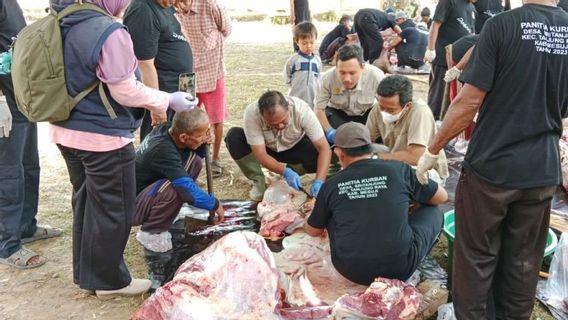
(459,116)
(464,60)
(433,34)
(292,12)
(322,118)
(396,29)
(324,158)
(265,160)
(439,197)
(409,156)
(395,41)
(314,232)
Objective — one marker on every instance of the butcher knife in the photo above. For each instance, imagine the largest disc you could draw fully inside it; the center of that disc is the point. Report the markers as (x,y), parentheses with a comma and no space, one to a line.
(304,191)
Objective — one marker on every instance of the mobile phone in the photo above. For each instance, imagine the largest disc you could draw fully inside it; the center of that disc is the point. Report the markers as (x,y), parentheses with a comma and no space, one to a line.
(187,83)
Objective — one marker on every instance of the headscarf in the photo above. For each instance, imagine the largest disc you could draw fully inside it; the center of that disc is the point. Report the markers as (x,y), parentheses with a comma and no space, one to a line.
(113,7)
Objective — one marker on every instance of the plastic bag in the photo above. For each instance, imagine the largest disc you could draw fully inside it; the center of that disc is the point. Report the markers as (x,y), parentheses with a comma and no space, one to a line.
(557,284)
(446,312)
(158,242)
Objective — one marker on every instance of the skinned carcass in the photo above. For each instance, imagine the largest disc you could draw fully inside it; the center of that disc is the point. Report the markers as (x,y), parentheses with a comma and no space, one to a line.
(282,210)
(385,299)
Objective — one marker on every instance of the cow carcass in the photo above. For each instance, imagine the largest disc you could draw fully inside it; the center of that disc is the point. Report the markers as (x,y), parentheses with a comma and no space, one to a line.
(282,210)
(384,299)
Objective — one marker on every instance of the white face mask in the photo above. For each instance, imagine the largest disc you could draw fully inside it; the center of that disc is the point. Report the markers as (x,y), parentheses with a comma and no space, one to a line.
(390,118)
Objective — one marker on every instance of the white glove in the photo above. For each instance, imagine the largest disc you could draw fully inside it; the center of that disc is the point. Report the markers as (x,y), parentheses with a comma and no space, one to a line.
(430,55)
(182,101)
(452,74)
(5,120)
(426,162)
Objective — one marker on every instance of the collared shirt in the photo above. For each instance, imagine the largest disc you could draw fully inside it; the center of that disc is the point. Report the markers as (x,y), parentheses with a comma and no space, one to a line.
(354,102)
(206,26)
(416,126)
(302,121)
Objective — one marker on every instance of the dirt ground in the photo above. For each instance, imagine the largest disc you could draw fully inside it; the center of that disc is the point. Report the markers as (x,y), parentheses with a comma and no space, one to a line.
(48,292)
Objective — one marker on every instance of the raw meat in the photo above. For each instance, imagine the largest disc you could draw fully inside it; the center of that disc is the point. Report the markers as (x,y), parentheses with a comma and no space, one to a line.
(384,299)
(282,210)
(234,278)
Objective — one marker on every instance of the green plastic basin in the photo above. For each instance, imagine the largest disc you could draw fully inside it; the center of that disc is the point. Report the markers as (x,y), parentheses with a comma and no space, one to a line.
(450,233)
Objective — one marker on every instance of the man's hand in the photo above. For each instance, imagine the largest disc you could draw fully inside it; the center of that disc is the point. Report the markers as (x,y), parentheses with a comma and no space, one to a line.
(316,186)
(182,101)
(330,135)
(426,162)
(220,212)
(292,178)
(452,74)
(5,120)
(430,55)
(158,118)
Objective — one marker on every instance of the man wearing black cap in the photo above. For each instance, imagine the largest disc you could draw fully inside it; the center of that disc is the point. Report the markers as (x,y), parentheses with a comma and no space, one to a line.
(364,208)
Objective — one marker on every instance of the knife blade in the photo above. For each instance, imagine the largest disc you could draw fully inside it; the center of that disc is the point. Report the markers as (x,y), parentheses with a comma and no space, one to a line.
(304,191)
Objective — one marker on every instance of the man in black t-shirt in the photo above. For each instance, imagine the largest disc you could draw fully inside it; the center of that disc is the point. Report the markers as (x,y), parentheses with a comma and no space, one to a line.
(516,79)
(410,47)
(453,19)
(369,23)
(485,9)
(365,209)
(339,33)
(161,48)
(167,166)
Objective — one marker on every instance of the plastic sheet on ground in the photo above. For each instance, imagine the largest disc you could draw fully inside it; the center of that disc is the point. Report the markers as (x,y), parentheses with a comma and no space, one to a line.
(240,215)
(554,291)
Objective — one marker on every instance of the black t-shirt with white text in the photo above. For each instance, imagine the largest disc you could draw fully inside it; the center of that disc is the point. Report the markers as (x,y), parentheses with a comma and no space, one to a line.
(365,210)
(521,61)
(457,18)
(486,9)
(156,34)
(157,158)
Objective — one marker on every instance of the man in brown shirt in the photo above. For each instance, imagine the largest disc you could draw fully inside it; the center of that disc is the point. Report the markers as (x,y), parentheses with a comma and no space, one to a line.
(405,126)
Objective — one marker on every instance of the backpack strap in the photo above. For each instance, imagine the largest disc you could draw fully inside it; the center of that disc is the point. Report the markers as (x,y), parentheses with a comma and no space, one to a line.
(78,7)
(102,93)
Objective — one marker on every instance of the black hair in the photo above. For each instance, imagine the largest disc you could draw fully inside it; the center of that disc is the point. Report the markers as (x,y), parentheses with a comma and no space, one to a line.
(357,151)
(268,101)
(350,51)
(396,84)
(304,30)
(425,12)
(344,18)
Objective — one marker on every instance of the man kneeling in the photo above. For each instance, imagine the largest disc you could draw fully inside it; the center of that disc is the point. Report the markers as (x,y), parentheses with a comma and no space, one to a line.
(365,209)
(167,165)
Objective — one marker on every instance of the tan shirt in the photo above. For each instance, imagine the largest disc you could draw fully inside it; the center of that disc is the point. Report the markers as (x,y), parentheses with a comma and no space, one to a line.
(416,126)
(302,121)
(354,102)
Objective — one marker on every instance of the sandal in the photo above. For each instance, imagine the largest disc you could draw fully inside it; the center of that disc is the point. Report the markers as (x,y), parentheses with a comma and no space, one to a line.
(43,232)
(21,258)
(216,168)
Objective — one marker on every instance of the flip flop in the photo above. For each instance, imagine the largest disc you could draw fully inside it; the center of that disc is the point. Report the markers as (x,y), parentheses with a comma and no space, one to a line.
(20,259)
(216,168)
(43,232)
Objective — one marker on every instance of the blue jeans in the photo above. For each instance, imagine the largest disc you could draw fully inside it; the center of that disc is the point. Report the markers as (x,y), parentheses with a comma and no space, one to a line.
(19,186)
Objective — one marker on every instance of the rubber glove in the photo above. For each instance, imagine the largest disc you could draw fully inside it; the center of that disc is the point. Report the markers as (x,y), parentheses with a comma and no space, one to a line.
(330,135)
(430,55)
(452,74)
(426,162)
(292,178)
(5,120)
(182,101)
(316,186)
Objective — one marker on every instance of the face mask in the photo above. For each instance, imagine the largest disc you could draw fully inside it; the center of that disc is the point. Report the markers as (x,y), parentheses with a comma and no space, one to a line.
(390,118)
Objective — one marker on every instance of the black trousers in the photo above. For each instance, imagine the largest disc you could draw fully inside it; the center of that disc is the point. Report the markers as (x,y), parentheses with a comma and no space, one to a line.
(303,152)
(499,247)
(337,117)
(436,89)
(104,194)
(405,60)
(369,35)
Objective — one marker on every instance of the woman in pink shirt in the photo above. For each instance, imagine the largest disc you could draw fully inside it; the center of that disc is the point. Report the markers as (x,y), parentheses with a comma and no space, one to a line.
(98,150)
